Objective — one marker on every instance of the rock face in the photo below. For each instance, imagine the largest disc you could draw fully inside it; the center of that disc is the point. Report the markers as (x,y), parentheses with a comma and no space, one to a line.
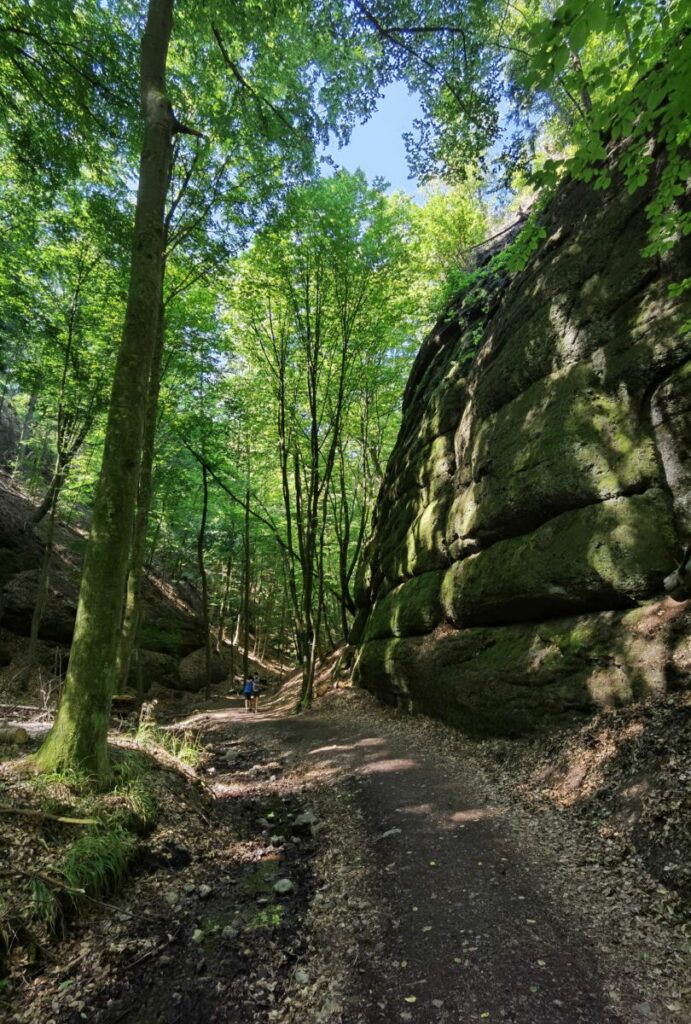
(540,488)
(9,433)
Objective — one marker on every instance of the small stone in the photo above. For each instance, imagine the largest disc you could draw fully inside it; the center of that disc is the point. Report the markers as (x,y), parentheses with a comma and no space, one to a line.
(277,840)
(229,932)
(302,978)
(189,888)
(197,936)
(391,832)
(306,819)
(283,886)
(171,898)
(204,891)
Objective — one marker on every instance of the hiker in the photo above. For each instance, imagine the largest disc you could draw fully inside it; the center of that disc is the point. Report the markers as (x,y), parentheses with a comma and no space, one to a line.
(256,690)
(248,693)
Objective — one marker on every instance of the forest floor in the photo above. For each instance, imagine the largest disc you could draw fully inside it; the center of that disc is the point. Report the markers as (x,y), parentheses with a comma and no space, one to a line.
(354,865)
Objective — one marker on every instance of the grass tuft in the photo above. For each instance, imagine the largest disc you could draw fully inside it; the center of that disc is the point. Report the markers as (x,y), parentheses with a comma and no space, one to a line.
(98,862)
(46,907)
(182,747)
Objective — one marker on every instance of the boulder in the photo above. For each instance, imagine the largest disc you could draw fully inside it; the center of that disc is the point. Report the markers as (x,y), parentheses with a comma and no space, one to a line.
(17,599)
(156,669)
(193,669)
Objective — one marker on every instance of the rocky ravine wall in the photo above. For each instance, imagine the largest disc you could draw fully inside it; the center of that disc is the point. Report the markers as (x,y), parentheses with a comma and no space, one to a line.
(538,492)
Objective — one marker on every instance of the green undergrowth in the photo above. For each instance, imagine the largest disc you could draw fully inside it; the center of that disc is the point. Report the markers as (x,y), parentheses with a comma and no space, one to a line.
(182,746)
(78,862)
(98,862)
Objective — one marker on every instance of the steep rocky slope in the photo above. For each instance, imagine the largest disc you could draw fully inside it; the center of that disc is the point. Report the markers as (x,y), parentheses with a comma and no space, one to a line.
(170,634)
(538,493)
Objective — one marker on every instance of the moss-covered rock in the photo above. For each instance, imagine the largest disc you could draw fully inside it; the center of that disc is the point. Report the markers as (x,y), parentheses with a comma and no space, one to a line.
(671,419)
(561,444)
(422,547)
(512,679)
(411,608)
(607,555)
(567,392)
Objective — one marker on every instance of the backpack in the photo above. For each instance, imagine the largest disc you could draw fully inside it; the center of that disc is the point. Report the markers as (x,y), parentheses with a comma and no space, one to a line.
(248,688)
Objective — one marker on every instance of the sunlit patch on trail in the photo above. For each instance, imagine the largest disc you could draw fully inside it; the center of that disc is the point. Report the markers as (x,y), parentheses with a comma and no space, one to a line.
(476,814)
(393,764)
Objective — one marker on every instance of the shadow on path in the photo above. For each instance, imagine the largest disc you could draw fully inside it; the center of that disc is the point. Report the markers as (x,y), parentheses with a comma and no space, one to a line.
(472,934)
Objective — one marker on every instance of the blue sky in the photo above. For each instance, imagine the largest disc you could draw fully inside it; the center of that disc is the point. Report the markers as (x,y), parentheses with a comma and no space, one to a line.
(377,146)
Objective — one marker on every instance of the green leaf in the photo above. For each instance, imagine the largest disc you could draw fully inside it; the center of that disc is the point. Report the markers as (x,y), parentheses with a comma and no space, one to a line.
(596,17)
(560,58)
(578,33)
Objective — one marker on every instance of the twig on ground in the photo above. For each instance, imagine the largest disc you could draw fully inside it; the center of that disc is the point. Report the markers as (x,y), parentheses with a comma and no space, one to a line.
(56,883)
(32,813)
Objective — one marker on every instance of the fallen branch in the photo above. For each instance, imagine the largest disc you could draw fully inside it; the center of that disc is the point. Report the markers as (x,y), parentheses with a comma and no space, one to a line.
(23,707)
(56,883)
(43,815)
(123,910)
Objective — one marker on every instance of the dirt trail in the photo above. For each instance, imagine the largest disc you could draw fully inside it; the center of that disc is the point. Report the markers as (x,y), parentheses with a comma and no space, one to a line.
(466,913)
(413,900)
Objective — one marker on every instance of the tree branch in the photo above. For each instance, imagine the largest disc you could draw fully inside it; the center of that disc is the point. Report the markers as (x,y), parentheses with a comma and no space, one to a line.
(239,77)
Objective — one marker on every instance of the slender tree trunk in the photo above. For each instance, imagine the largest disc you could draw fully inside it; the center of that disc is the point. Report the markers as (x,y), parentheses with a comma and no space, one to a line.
(232,654)
(154,542)
(41,594)
(201,539)
(266,619)
(246,592)
(223,607)
(78,738)
(280,635)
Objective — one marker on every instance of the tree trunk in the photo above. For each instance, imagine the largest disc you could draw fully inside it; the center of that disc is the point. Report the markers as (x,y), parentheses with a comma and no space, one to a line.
(232,655)
(223,607)
(246,593)
(78,738)
(26,432)
(41,594)
(132,611)
(201,538)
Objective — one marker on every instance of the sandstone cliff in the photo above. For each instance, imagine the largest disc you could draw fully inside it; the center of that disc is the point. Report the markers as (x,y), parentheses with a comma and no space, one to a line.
(538,493)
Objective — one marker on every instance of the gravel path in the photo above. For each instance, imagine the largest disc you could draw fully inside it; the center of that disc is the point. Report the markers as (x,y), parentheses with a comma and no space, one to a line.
(469,932)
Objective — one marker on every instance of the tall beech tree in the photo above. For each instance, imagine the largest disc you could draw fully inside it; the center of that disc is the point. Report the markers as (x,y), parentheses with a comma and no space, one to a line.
(78,736)
(262,127)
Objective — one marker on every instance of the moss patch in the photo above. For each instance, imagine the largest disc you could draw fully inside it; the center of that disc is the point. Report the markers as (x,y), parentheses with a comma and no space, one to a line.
(414,607)
(607,555)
